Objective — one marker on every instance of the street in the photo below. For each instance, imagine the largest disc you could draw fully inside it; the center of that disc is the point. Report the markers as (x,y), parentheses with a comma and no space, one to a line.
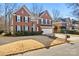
(59,50)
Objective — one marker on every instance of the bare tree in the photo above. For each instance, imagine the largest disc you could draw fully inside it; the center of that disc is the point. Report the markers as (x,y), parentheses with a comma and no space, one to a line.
(9,7)
(56,14)
(1,9)
(75,9)
(2,15)
(36,8)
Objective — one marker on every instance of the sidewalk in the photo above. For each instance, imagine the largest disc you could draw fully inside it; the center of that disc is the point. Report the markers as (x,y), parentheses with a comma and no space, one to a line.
(73,38)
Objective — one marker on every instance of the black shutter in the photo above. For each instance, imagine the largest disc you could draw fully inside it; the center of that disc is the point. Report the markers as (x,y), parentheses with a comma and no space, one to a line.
(21,28)
(40,21)
(21,18)
(24,19)
(16,18)
(28,28)
(28,19)
(47,21)
(16,28)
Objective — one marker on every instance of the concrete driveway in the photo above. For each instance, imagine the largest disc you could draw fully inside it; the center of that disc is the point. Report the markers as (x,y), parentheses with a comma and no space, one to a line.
(42,39)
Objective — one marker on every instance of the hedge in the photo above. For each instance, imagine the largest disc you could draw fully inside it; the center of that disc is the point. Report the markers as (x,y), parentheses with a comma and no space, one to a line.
(26,33)
(70,32)
(1,31)
(8,34)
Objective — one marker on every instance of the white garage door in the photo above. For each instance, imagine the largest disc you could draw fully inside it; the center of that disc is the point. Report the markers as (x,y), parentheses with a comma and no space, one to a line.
(47,31)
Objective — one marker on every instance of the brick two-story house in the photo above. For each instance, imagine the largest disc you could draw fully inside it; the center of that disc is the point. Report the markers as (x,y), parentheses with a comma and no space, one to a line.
(46,22)
(63,23)
(24,20)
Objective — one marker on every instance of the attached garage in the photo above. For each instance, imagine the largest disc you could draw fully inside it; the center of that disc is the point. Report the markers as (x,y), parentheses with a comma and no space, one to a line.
(47,31)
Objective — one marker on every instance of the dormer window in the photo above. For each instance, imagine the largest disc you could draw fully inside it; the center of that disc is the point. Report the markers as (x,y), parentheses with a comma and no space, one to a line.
(18,19)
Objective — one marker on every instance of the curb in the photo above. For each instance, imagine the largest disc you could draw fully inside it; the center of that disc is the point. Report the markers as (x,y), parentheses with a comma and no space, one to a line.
(47,47)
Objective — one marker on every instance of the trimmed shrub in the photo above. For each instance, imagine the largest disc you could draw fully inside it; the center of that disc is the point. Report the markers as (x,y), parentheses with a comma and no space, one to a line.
(26,33)
(8,34)
(70,31)
(1,31)
(62,31)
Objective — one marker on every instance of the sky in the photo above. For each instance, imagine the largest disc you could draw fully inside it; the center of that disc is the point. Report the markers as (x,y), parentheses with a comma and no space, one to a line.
(61,7)
(51,7)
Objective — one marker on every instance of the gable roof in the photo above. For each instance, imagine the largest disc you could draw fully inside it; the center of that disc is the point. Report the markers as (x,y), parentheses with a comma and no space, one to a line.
(64,20)
(42,13)
(26,9)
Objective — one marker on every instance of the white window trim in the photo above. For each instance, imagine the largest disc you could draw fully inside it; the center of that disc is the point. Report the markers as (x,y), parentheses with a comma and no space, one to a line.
(46,21)
(18,18)
(26,28)
(34,28)
(42,21)
(18,28)
(26,19)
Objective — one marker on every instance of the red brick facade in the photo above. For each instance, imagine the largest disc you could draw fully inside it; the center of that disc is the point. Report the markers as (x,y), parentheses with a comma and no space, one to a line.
(22,12)
(45,15)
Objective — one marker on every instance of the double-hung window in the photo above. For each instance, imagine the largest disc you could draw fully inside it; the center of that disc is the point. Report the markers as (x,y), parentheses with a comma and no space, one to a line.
(18,28)
(46,21)
(41,21)
(18,18)
(34,28)
(50,22)
(25,19)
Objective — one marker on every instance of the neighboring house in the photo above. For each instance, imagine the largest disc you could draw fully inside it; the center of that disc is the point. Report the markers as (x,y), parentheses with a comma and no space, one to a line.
(2,23)
(69,23)
(65,23)
(23,20)
(59,24)
(75,25)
